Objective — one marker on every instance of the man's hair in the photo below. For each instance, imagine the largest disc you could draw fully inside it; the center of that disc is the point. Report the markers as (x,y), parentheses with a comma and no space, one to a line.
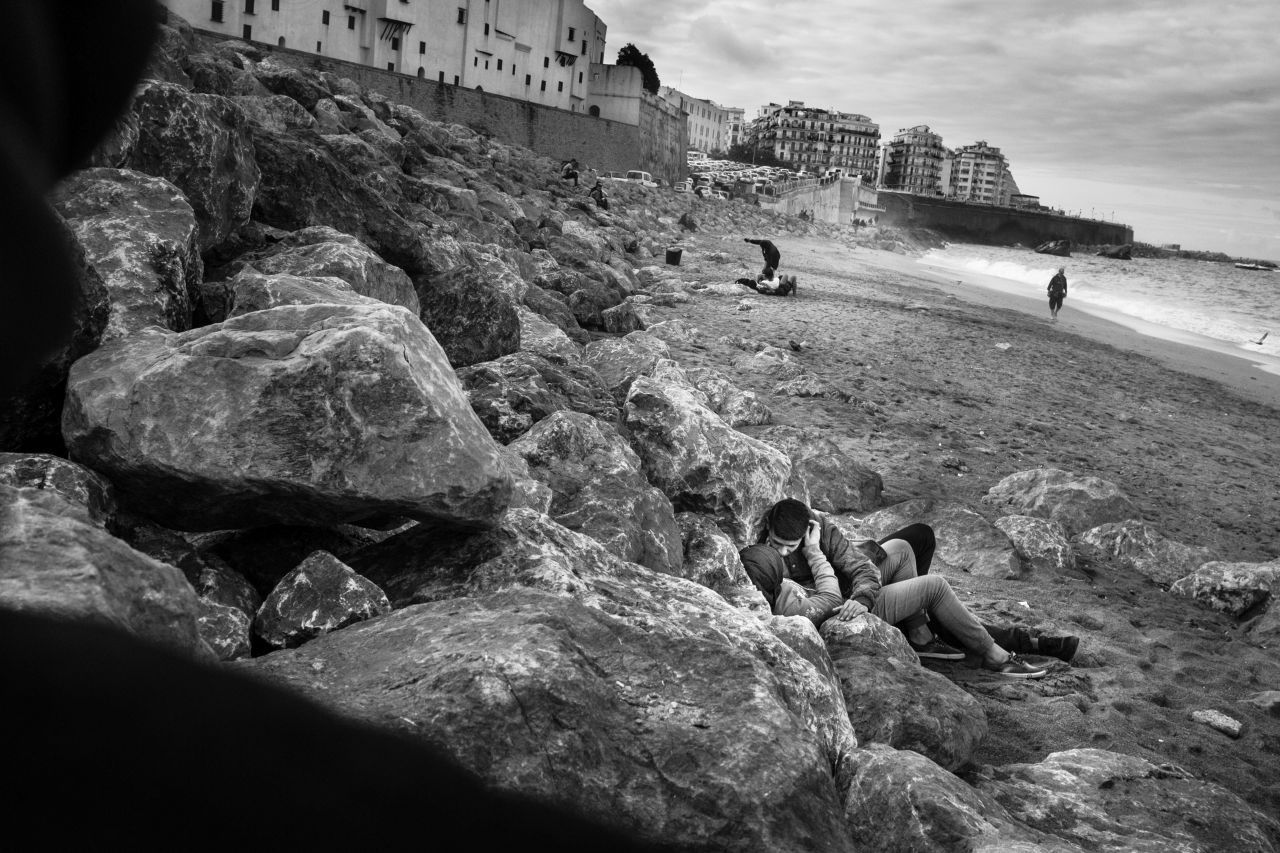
(789,519)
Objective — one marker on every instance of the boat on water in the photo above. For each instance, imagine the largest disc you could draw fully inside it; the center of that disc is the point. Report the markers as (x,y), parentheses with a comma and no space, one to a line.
(1255,267)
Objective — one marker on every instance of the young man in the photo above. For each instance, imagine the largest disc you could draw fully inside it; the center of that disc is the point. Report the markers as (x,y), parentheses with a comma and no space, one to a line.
(892,593)
(569,171)
(771,254)
(1057,292)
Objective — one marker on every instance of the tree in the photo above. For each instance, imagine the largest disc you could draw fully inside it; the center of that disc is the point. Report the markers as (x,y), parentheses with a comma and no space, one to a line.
(631,55)
(745,152)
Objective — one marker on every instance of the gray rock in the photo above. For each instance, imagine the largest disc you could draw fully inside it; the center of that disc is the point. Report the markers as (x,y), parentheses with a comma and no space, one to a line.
(1218,721)
(700,462)
(711,559)
(73,483)
(252,291)
(1076,502)
(619,361)
(140,236)
(1140,547)
(1041,544)
(55,561)
(225,630)
(321,595)
(1232,588)
(472,319)
(542,337)
(236,424)
(967,542)
(600,490)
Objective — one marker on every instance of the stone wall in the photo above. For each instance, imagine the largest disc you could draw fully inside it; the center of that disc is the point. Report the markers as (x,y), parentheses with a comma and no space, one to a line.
(657,145)
(997,225)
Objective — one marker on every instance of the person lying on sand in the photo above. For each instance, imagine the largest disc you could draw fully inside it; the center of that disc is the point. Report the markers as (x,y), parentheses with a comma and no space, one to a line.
(794,544)
(770,284)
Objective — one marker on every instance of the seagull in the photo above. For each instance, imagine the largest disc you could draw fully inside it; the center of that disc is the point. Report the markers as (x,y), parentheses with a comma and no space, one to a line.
(1261,339)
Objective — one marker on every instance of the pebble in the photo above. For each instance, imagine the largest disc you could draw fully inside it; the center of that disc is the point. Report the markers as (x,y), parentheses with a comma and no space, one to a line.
(1218,720)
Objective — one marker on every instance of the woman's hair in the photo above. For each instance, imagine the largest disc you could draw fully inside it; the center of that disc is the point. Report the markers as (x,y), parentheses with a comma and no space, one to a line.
(788,519)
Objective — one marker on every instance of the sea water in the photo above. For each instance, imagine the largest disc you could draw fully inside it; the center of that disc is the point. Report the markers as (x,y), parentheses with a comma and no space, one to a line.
(1227,307)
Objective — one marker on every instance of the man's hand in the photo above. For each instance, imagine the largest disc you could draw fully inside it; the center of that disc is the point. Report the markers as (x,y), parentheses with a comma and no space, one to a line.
(812,534)
(851,609)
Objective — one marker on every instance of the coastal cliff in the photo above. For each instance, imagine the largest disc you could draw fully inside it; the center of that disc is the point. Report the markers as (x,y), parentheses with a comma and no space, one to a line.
(381,411)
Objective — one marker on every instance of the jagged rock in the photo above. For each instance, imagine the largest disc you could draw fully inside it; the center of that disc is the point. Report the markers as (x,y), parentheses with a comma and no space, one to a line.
(526,491)
(967,542)
(305,87)
(622,318)
(222,74)
(903,796)
(274,112)
(303,184)
(893,700)
(1139,546)
(1076,502)
(1102,800)
(700,462)
(676,332)
(55,561)
(1123,252)
(321,251)
(473,320)
(1061,248)
(711,559)
(321,595)
(555,309)
(139,235)
(736,406)
(252,291)
(200,143)
(618,361)
(770,361)
(1232,588)
(264,555)
(1041,544)
(209,575)
(567,673)
(600,489)
(225,630)
(512,393)
(235,424)
(73,483)
(542,337)
(831,480)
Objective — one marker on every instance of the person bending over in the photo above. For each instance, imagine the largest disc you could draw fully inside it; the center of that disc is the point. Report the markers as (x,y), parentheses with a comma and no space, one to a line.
(779,556)
(772,257)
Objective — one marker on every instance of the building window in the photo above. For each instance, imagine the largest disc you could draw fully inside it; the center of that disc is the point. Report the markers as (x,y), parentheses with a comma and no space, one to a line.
(275,5)
(486,29)
(351,22)
(560,86)
(248,33)
(528,79)
(475,62)
(544,86)
(441,76)
(579,76)
(215,13)
(422,73)
(572,33)
(248,7)
(391,66)
(462,15)
(395,44)
(324,16)
(546,62)
(584,47)
(280,41)
(486,65)
(455,79)
(422,47)
(499,64)
(317,47)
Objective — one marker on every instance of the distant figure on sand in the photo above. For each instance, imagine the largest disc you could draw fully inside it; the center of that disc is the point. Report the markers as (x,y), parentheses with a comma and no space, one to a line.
(1057,291)
(772,257)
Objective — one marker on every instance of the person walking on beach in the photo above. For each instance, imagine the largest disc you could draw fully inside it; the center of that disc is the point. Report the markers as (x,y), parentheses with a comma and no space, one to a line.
(772,256)
(1057,292)
(792,548)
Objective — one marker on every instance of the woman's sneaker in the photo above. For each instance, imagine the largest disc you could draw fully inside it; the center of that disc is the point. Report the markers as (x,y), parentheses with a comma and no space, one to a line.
(1015,667)
(937,650)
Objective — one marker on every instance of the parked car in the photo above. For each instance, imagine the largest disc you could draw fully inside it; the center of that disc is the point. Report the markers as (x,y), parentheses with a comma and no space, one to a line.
(644,179)
(683,186)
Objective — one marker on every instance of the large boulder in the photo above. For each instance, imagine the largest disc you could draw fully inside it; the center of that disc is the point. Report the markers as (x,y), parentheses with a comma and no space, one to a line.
(140,236)
(829,479)
(967,542)
(55,561)
(1041,544)
(737,407)
(1232,588)
(540,336)
(1138,546)
(1122,252)
(200,143)
(473,320)
(512,393)
(599,489)
(321,595)
(1074,501)
(892,699)
(323,251)
(31,415)
(698,461)
(252,291)
(556,669)
(311,414)
(1106,801)
(711,559)
(619,361)
(73,483)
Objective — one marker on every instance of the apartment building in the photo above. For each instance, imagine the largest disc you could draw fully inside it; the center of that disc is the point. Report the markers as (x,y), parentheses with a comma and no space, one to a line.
(915,162)
(734,131)
(815,139)
(534,50)
(980,174)
(707,119)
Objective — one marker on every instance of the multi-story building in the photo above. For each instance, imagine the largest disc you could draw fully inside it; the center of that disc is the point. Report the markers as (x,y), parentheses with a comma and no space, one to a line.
(534,50)
(981,174)
(734,126)
(707,119)
(814,139)
(914,162)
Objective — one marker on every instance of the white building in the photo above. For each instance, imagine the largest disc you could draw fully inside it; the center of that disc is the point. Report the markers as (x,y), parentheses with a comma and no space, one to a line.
(534,50)
(707,119)
(816,139)
(981,174)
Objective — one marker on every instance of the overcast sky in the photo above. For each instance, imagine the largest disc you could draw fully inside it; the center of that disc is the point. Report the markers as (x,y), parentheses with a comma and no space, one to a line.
(1165,114)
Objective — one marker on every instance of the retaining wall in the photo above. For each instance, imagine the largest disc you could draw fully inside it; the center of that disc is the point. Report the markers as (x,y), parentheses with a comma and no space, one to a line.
(979,223)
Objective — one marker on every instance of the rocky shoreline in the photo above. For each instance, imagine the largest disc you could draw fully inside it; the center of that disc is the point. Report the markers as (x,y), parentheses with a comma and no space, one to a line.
(380,411)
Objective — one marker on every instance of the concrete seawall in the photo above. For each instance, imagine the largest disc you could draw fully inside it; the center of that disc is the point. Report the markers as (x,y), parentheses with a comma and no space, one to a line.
(997,225)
